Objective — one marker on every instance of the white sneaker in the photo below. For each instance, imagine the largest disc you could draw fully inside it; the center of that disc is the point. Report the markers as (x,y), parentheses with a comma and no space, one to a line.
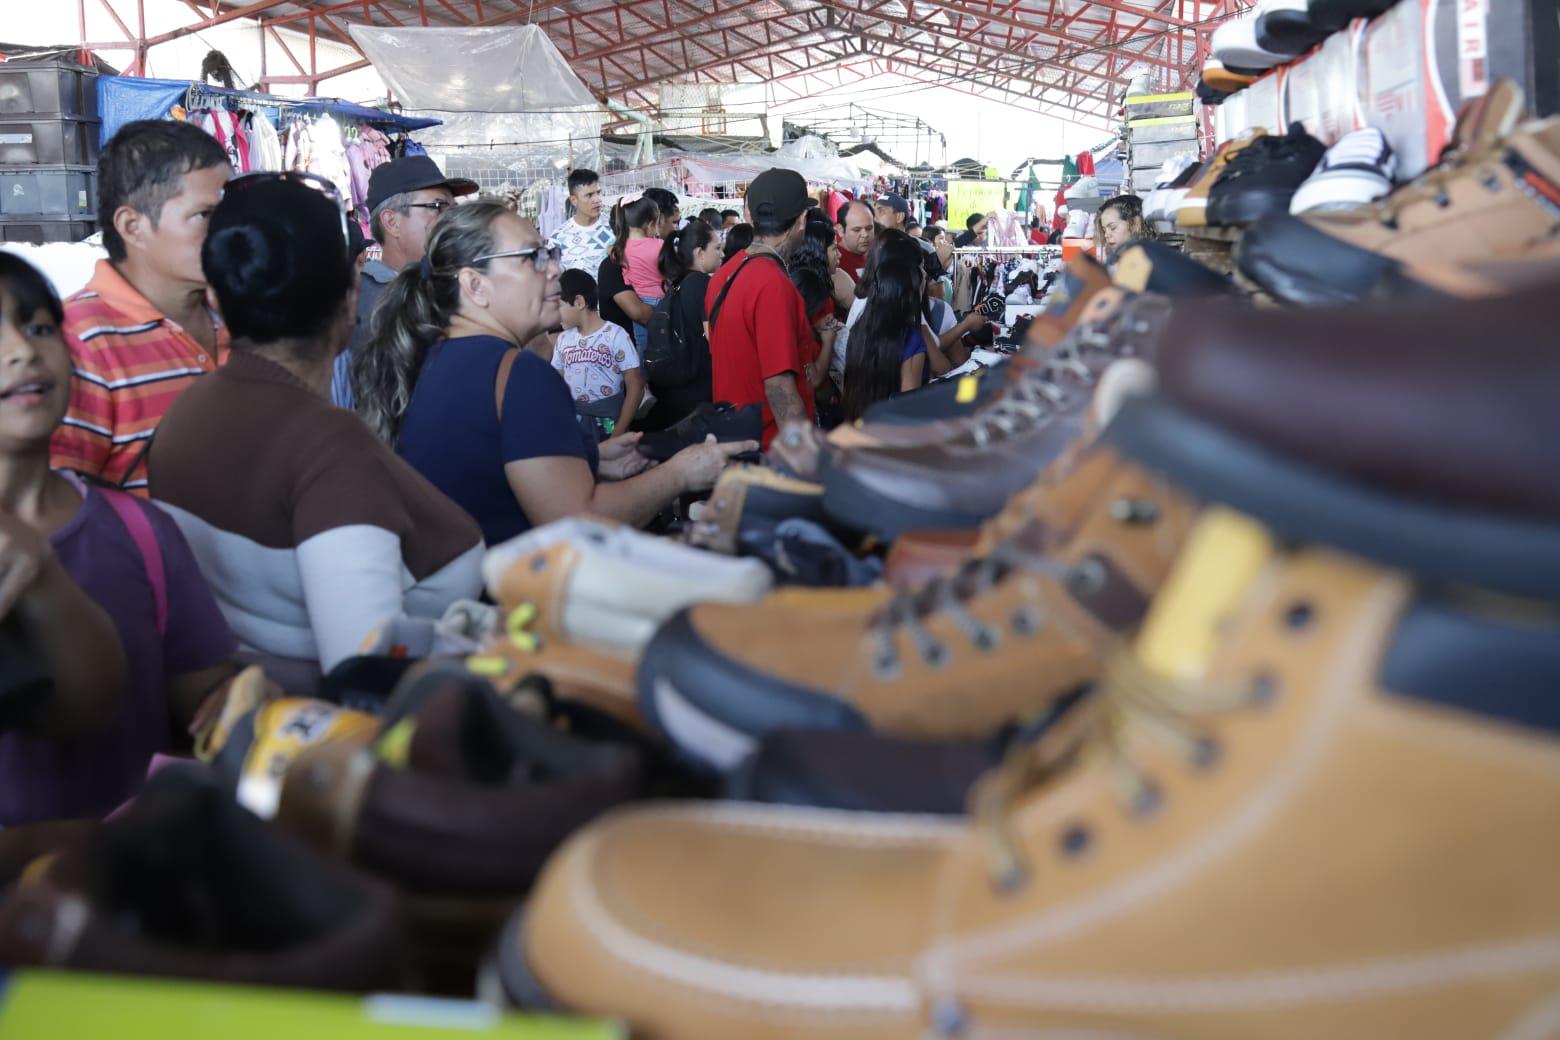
(1356,170)
(1235,43)
(1154,205)
(1084,188)
(606,585)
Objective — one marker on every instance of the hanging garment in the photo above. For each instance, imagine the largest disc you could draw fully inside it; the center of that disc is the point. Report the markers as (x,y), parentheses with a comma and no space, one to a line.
(1085,164)
(1005,228)
(225,127)
(265,147)
(328,158)
(550,214)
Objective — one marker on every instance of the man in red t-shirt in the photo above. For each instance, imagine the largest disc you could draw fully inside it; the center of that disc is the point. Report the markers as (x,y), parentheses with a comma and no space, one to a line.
(760,338)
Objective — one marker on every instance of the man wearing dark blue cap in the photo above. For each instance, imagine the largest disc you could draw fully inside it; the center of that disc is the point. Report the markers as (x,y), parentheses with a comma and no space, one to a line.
(406,198)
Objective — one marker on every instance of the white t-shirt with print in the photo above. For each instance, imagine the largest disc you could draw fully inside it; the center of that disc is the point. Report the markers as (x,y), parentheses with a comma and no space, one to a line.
(593,365)
(583,247)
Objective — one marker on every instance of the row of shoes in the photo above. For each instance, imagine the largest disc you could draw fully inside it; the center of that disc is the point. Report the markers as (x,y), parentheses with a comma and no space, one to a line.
(1272,33)
(1210,694)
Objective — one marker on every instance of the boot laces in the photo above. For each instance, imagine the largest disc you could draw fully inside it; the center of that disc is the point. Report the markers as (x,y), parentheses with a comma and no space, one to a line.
(1036,394)
(949,596)
(1130,706)
(1432,184)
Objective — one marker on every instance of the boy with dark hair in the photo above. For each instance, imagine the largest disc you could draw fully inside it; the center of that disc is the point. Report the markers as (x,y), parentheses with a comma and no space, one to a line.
(586,236)
(974,233)
(597,359)
(729,218)
(711,216)
(141,331)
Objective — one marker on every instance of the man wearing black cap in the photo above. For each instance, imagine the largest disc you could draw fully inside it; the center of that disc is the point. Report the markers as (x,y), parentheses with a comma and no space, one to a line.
(891,212)
(406,197)
(761,343)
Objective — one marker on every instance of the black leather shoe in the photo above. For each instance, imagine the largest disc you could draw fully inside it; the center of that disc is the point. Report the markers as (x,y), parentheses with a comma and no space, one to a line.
(726,422)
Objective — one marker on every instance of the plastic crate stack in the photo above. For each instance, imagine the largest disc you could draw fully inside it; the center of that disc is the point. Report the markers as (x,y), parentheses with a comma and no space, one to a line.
(1157,127)
(48,150)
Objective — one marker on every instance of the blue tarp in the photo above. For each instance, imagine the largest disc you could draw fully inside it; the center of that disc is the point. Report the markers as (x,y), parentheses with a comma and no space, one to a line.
(122,99)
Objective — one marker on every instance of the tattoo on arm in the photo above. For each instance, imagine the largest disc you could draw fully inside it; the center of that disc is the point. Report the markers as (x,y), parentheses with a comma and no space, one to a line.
(784,400)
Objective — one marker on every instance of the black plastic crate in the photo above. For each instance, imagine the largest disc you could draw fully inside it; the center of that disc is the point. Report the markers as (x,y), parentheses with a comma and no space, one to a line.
(47,91)
(48,142)
(68,192)
(39,230)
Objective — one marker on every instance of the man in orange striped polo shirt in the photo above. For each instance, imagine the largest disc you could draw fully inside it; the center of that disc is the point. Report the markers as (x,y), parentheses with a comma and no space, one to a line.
(142,329)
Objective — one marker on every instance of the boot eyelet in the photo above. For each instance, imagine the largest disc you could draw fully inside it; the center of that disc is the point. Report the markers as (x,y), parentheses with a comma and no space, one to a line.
(1087,578)
(1134,511)
(985,639)
(1075,841)
(1491,182)
(1148,801)
(885,667)
(538,564)
(1207,753)
(1025,621)
(1299,616)
(1443,200)
(935,655)
(1264,690)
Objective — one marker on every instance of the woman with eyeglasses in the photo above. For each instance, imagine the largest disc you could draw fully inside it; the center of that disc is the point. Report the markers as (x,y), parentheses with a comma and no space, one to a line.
(310,530)
(490,424)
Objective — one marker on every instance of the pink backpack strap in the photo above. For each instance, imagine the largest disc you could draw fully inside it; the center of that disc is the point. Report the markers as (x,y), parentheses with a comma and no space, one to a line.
(133,515)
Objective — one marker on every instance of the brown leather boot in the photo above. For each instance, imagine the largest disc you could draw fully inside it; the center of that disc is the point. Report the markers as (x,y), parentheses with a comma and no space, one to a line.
(1495,196)
(956,474)
(1017,625)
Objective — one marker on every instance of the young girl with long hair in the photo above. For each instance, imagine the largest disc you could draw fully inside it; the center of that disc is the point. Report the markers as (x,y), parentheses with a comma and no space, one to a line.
(636,221)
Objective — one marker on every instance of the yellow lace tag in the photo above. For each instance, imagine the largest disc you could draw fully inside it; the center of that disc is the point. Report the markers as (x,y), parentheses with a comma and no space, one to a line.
(968,387)
(396,745)
(1217,565)
(516,624)
(1133,268)
(488,666)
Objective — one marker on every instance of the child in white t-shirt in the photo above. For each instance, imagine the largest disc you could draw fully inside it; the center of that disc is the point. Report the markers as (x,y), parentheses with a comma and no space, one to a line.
(597,359)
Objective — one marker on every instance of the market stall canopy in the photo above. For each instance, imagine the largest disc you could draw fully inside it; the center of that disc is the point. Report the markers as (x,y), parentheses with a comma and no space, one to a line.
(474,70)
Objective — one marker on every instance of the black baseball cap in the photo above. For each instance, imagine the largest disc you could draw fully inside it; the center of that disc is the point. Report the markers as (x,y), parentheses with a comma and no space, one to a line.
(412,173)
(778,195)
(895,203)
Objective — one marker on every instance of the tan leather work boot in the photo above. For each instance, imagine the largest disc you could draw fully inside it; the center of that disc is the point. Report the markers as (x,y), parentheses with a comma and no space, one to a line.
(1017,625)
(1300,844)
(1493,198)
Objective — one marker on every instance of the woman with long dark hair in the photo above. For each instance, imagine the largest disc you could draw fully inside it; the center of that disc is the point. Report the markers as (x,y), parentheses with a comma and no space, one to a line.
(688,258)
(491,425)
(888,343)
(812,267)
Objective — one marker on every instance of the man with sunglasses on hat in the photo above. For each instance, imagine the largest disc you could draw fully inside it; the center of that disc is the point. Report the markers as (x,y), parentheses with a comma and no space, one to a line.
(406,198)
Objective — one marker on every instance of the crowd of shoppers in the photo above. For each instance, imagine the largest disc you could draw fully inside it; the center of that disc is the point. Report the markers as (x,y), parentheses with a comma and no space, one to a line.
(369,425)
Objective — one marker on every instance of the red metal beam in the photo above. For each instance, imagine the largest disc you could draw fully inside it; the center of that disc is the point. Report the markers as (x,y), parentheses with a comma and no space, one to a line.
(253,10)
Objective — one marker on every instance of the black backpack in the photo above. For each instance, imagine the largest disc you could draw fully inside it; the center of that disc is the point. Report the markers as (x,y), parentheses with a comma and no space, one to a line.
(668,360)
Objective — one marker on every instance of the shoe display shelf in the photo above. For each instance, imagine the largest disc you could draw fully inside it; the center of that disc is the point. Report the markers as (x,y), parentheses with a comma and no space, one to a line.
(1405,72)
(49,129)
(1157,127)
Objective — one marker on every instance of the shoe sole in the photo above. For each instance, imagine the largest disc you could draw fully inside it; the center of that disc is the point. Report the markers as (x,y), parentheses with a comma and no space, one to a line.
(1272,254)
(1239,209)
(518,982)
(848,502)
(715,734)
(1462,546)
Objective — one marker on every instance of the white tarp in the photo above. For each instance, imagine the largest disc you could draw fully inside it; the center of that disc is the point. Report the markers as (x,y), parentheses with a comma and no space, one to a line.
(498,69)
(513,110)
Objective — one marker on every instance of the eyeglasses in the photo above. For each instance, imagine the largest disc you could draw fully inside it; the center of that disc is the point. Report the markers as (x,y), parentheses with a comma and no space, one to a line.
(324,185)
(438,206)
(541,255)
